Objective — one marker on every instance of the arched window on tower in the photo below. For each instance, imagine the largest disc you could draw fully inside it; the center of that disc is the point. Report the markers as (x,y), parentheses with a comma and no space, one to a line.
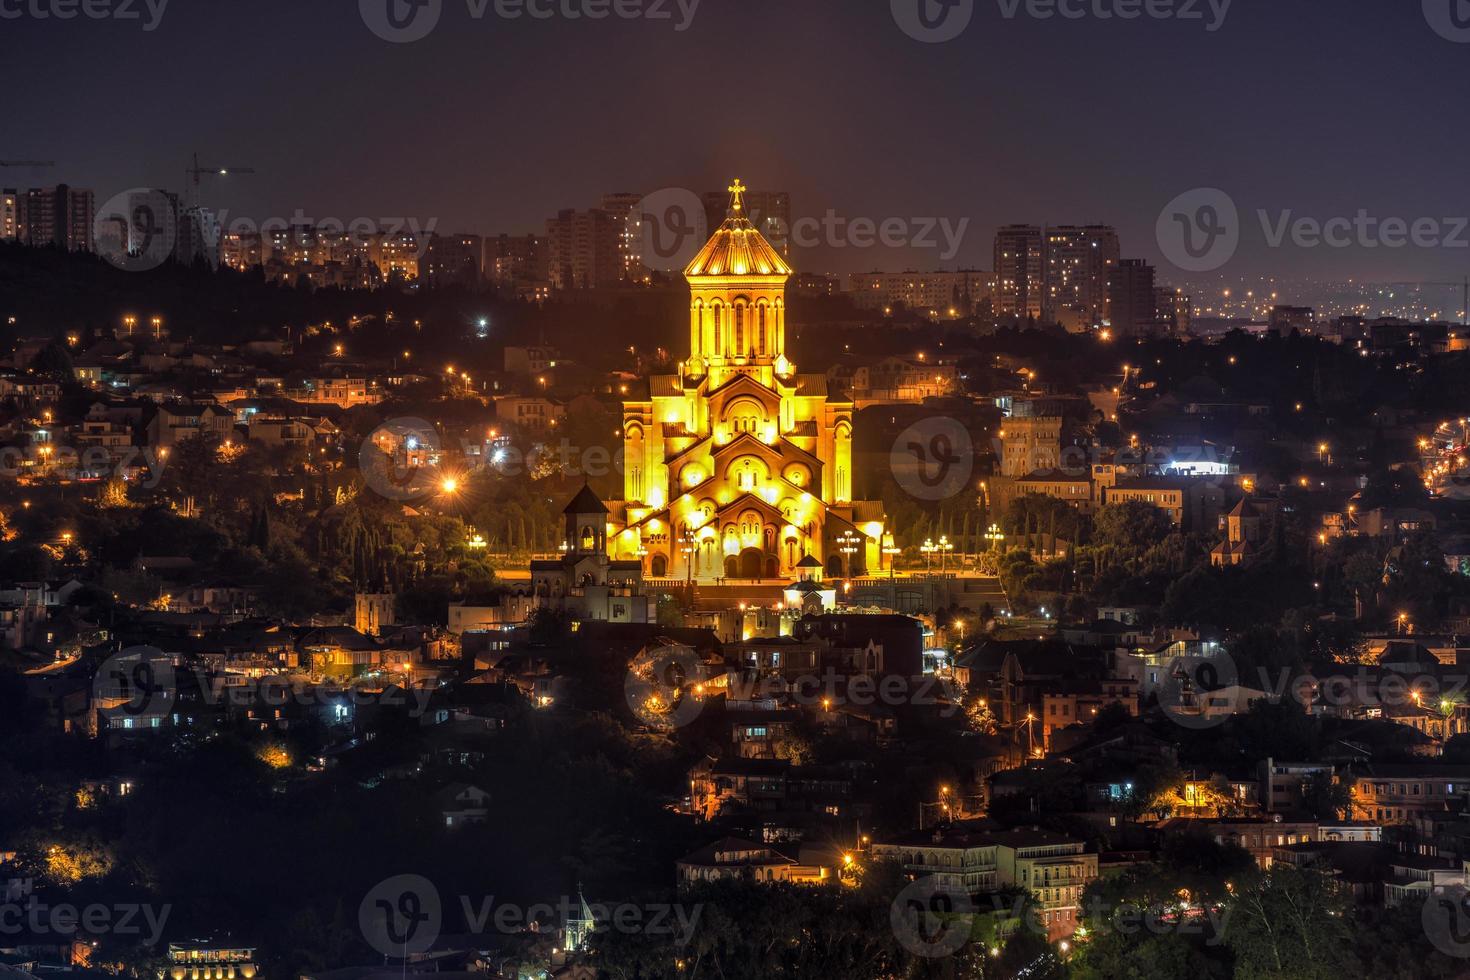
(714,312)
(761,329)
(740,330)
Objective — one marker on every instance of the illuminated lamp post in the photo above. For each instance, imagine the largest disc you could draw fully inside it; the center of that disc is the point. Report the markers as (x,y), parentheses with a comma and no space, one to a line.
(892,551)
(847,543)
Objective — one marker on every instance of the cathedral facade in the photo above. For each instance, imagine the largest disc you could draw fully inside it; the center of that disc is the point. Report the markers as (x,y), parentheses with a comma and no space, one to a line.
(739,466)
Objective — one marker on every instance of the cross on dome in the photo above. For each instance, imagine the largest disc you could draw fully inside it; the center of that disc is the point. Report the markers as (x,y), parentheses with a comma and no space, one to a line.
(737,194)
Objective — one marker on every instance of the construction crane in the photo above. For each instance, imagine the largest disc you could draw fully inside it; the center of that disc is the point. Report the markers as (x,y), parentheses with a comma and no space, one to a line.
(196,171)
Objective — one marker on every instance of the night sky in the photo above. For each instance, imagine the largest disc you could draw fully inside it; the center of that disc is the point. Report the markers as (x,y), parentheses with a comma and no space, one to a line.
(492,125)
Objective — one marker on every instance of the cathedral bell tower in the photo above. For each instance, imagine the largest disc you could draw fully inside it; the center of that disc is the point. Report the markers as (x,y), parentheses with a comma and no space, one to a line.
(586,524)
(737,305)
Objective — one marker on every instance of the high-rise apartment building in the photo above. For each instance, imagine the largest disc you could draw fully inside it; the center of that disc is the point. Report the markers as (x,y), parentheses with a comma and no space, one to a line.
(1019,272)
(10,223)
(514,261)
(1131,300)
(1174,309)
(61,216)
(768,211)
(623,207)
(456,260)
(1078,261)
(585,249)
(941,295)
(198,238)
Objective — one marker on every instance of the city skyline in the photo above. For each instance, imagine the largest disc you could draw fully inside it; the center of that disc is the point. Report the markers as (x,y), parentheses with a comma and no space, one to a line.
(991,157)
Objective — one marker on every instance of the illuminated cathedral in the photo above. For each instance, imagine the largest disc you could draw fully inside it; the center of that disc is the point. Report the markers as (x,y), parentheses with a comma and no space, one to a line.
(739,466)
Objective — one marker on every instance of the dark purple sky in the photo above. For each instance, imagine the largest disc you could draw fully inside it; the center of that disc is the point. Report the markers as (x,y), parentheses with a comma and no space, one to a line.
(1324,107)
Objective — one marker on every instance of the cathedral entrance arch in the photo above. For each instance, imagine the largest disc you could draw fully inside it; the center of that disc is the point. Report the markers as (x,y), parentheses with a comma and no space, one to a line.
(659,567)
(752,562)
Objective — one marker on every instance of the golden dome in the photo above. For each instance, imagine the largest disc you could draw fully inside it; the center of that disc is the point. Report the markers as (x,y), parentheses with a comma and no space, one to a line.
(737,248)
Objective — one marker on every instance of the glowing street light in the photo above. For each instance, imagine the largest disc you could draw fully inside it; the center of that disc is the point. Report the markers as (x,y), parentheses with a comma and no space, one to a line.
(995,536)
(892,551)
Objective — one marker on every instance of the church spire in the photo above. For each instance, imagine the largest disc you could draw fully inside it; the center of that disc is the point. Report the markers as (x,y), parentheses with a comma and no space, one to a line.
(737,199)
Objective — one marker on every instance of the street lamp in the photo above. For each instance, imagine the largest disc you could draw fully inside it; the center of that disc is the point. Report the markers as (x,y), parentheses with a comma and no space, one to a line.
(945,547)
(689,549)
(847,543)
(928,548)
(995,536)
(892,551)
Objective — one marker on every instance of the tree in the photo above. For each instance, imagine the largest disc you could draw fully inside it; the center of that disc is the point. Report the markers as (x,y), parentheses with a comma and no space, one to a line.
(1324,797)
(1131,527)
(1293,923)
